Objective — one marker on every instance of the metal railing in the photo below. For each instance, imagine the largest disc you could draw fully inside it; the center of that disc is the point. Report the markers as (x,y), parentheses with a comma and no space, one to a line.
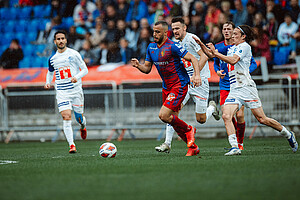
(121,108)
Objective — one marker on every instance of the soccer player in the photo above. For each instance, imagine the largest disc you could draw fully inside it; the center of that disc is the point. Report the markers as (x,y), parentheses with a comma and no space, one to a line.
(242,88)
(166,55)
(198,94)
(221,69)
(69,68)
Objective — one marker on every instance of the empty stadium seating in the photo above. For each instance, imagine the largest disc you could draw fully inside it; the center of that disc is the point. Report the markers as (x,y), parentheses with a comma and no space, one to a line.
(24,24)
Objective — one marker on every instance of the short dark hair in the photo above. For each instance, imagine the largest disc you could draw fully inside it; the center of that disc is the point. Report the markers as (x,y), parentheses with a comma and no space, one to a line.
(163,23)
(178,19)
(230,23)
(60,31)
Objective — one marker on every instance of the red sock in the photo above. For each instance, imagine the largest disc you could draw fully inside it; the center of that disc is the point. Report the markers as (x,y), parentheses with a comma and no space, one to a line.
(240,132)
(179,125)
(182,136)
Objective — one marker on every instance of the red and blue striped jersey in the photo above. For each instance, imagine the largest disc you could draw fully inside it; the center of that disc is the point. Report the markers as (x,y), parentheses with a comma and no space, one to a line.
(167,60)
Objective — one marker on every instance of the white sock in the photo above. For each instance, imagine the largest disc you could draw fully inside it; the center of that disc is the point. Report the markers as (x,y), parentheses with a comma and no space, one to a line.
(232,140)
(209,112)
(67,126)
(169,134)
(285,133)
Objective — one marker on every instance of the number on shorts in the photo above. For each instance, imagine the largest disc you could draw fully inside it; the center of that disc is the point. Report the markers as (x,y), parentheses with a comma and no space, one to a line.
(65,72)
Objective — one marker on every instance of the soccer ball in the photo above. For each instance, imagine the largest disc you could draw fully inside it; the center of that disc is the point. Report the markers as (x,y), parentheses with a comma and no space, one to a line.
(108,150)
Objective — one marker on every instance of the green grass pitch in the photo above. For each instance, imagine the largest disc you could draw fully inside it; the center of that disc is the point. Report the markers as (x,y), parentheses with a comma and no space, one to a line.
(267,169)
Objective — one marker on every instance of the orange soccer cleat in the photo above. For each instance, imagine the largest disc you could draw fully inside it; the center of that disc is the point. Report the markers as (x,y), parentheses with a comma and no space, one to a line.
(241,146)
(192,151)
(83,133)
(190,136)
(72,149)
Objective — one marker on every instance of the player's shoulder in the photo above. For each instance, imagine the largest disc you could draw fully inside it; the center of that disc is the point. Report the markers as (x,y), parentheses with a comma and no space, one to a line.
(220,44)
(73,51)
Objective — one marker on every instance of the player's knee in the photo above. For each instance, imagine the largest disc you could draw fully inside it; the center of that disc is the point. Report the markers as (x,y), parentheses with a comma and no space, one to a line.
(201,119)
(66,116)
(165,118)
(226,117)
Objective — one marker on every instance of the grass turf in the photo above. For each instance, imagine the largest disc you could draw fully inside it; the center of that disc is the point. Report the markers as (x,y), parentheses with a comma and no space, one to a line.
(267,169)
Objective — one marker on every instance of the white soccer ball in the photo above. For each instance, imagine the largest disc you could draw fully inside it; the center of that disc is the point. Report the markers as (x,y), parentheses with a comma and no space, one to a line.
(108,150)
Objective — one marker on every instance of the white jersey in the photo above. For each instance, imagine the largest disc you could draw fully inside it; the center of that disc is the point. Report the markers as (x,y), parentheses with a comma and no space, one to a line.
(239,75)
(67,65)
(192,47)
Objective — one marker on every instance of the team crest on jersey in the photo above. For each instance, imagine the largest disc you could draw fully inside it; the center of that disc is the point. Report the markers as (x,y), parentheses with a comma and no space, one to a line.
(171,96)
(70,58)
(163,52)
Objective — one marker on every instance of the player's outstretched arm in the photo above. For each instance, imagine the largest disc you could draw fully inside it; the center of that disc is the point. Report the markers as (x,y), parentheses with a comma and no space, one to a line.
(229,59)
(206,50)
(145,68)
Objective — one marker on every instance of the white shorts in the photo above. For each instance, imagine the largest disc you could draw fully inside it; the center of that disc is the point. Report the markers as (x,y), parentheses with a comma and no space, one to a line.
(199,95)
(70,99)
(247,96)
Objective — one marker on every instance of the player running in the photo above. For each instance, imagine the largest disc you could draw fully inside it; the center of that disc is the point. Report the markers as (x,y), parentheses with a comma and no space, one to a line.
(166,55)
(198,94)
(242,88)
(222,71)
(67,63)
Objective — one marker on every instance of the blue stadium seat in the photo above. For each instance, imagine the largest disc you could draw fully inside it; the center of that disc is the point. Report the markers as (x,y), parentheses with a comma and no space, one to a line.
(25,63)
(34,25)
(5,13)
(2,48)
(9,27)
(37,62)
(68,21)
(21,26)
(40,48)
(21,36)
(47,11)
(38,11)
(7,37)
(42,24)
(31,36)
(25,12)
(13,13)
(29,50)
(13,3)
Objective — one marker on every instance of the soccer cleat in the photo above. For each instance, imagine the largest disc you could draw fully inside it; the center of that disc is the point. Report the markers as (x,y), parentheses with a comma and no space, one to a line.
(83,133)
(233,151)
(163,148)
(216,113)
(72,149)
(241,146)
(293,142)
(193,151)
(190,136)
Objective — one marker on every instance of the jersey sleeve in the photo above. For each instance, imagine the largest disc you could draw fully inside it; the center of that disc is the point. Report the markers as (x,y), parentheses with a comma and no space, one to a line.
(148,56)
(217,64)
(81,64)
(50,66)
(178,50)
(242,51)
(253,65)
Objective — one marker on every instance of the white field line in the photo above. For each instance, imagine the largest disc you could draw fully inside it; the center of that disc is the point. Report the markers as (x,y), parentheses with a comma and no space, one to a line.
(3,162)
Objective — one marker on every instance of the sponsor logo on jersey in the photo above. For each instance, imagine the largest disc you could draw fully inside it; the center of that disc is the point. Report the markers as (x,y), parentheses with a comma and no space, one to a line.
(171,96)
(161,63)
(241,51)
